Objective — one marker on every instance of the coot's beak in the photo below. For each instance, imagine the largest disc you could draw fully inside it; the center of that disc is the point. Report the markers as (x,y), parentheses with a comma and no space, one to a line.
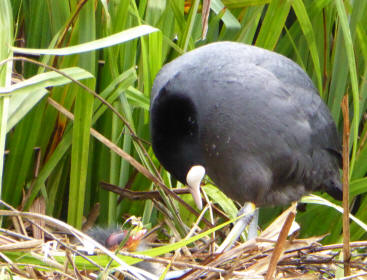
(193,180)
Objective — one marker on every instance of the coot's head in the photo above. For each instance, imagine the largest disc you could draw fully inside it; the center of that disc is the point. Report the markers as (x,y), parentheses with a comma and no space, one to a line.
(176,139)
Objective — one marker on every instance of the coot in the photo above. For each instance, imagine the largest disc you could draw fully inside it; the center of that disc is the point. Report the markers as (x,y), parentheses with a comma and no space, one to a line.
(251,119)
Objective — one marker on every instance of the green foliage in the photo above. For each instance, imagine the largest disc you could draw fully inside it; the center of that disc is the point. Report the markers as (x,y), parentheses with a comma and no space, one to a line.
(6,38)
(123,44)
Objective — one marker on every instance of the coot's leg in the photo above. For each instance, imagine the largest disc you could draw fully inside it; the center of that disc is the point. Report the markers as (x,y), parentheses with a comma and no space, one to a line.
(252,229)
(248,213)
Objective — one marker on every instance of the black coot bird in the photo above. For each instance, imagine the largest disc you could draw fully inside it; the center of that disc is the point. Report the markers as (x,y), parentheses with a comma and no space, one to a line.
(248,117)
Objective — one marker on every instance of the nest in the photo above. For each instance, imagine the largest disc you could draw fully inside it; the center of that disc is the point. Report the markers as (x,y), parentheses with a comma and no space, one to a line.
(56,250)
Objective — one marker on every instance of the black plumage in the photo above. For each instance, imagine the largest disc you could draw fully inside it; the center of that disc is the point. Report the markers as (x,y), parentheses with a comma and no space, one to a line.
(252,118)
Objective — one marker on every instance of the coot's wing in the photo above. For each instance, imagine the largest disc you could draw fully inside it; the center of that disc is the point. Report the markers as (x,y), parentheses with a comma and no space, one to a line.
(296,80)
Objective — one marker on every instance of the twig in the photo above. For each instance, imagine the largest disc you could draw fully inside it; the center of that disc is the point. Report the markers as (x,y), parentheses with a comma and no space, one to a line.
(144,195)
(279,247)
(204,18)
(139,195)
(346,231)
(313,248)
(354,276)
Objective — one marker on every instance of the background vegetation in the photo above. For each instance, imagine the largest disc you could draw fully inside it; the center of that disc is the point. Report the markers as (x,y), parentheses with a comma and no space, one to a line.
(53,163)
